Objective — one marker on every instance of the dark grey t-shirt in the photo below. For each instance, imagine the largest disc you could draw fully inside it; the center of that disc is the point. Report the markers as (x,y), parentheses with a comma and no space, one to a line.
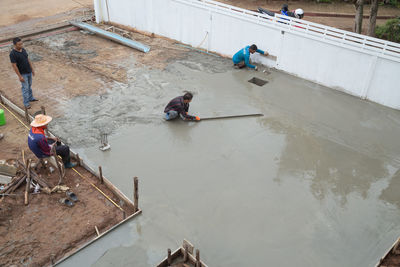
(21,59)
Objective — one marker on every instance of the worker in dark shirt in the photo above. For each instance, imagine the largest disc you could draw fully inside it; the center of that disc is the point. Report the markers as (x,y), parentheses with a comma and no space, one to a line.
(23,68)
(180,106)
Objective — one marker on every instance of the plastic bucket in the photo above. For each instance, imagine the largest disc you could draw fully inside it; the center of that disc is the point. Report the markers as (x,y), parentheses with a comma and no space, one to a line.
(2,117)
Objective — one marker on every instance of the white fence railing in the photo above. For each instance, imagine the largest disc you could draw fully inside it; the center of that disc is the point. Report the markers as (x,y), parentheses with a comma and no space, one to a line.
(371,45)
(356,64)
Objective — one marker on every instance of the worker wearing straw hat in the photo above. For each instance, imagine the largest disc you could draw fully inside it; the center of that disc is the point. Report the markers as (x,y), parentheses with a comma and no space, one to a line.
(41,145)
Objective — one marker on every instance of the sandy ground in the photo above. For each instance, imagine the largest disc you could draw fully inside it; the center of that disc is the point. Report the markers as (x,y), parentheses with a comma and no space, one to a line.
(13,12)
(43,231)
(343,8)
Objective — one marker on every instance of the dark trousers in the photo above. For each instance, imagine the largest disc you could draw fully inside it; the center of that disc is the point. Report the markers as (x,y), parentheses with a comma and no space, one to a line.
(62,151)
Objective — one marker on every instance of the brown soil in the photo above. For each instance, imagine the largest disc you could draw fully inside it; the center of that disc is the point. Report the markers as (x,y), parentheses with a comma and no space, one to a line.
(45,230)
(335,7)
(13,12)
(392,259)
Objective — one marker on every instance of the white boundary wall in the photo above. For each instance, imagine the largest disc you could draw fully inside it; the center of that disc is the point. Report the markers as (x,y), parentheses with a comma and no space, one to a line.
(356,64)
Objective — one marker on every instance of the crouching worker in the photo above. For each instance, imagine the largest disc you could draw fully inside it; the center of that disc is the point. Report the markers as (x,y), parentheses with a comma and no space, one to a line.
(242,58)
(179,106)
(41,145)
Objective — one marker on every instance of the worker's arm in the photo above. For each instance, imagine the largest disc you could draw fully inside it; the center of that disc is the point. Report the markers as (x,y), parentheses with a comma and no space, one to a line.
(44,146)
(30,64)
(185,114)
(260,51)
(247,61)
(14,65)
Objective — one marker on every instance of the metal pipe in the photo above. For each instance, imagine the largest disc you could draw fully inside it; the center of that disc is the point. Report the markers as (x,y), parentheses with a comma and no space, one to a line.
(112,36)
(232,116)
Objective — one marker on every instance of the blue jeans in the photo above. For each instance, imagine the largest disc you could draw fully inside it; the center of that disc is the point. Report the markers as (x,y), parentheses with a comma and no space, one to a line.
(172,114)
(27,89)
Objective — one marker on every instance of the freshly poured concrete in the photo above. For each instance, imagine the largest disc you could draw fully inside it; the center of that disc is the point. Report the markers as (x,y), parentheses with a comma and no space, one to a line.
(314,182)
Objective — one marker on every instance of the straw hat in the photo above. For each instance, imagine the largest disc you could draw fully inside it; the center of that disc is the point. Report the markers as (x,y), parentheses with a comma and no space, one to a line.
(41,120)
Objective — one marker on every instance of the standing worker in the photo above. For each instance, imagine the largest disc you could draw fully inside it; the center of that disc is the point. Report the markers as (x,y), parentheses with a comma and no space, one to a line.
(180,106)
(242,58)
(41,145)
(24,69)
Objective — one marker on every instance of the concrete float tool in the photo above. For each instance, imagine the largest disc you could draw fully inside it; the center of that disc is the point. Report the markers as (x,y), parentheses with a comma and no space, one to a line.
(232,116)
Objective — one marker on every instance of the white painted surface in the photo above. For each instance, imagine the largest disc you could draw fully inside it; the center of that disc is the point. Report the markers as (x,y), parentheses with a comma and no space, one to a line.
(359,65)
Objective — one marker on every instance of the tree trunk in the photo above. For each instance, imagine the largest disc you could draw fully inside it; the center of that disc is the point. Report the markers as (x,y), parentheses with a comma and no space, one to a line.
(372,18)
(359,4)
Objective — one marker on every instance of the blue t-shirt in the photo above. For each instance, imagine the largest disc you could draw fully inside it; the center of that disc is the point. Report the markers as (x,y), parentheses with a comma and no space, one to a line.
(38,144)
(244,55)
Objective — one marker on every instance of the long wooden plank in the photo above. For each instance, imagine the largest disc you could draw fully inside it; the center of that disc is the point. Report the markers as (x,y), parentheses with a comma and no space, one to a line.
(232,116)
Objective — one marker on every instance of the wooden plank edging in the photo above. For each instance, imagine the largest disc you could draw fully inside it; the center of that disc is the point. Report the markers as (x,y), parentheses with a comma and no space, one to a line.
(97,237)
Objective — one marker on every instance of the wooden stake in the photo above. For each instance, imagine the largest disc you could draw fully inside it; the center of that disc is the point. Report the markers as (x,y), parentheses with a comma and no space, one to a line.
(28,182)
(44,113)
(185,254)
(27,115)
(169,259)
(23,157)
(60,180)
(135,194)
(97,230)
(101,175)
(198,264)
(78,159)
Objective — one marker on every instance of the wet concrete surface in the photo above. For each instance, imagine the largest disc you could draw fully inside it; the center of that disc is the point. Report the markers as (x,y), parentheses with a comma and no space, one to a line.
(312,183)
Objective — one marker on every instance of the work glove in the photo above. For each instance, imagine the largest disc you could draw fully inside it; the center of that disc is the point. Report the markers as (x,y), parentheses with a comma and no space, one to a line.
(256,69)
(197,118)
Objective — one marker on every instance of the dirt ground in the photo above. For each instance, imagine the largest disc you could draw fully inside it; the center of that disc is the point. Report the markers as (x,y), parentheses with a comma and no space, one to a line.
(13,12)
(308,6)
(74,64)
(44,231)
(392,259)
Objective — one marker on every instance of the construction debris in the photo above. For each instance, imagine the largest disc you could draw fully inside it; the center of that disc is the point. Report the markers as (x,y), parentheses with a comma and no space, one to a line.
(7,169)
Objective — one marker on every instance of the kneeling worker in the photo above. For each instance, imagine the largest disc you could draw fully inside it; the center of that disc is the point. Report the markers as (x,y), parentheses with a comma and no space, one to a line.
(39,143)
(180,106)
(242,58)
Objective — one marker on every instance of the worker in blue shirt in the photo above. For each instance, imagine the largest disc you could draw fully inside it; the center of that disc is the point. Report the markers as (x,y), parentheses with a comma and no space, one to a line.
(242,58)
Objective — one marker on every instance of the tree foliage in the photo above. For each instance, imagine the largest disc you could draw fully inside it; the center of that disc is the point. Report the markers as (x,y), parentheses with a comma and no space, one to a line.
(389,31)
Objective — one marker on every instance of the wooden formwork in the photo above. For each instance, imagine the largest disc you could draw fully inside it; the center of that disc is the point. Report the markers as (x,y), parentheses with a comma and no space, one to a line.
(391,252)
(183,256)
(121,196)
